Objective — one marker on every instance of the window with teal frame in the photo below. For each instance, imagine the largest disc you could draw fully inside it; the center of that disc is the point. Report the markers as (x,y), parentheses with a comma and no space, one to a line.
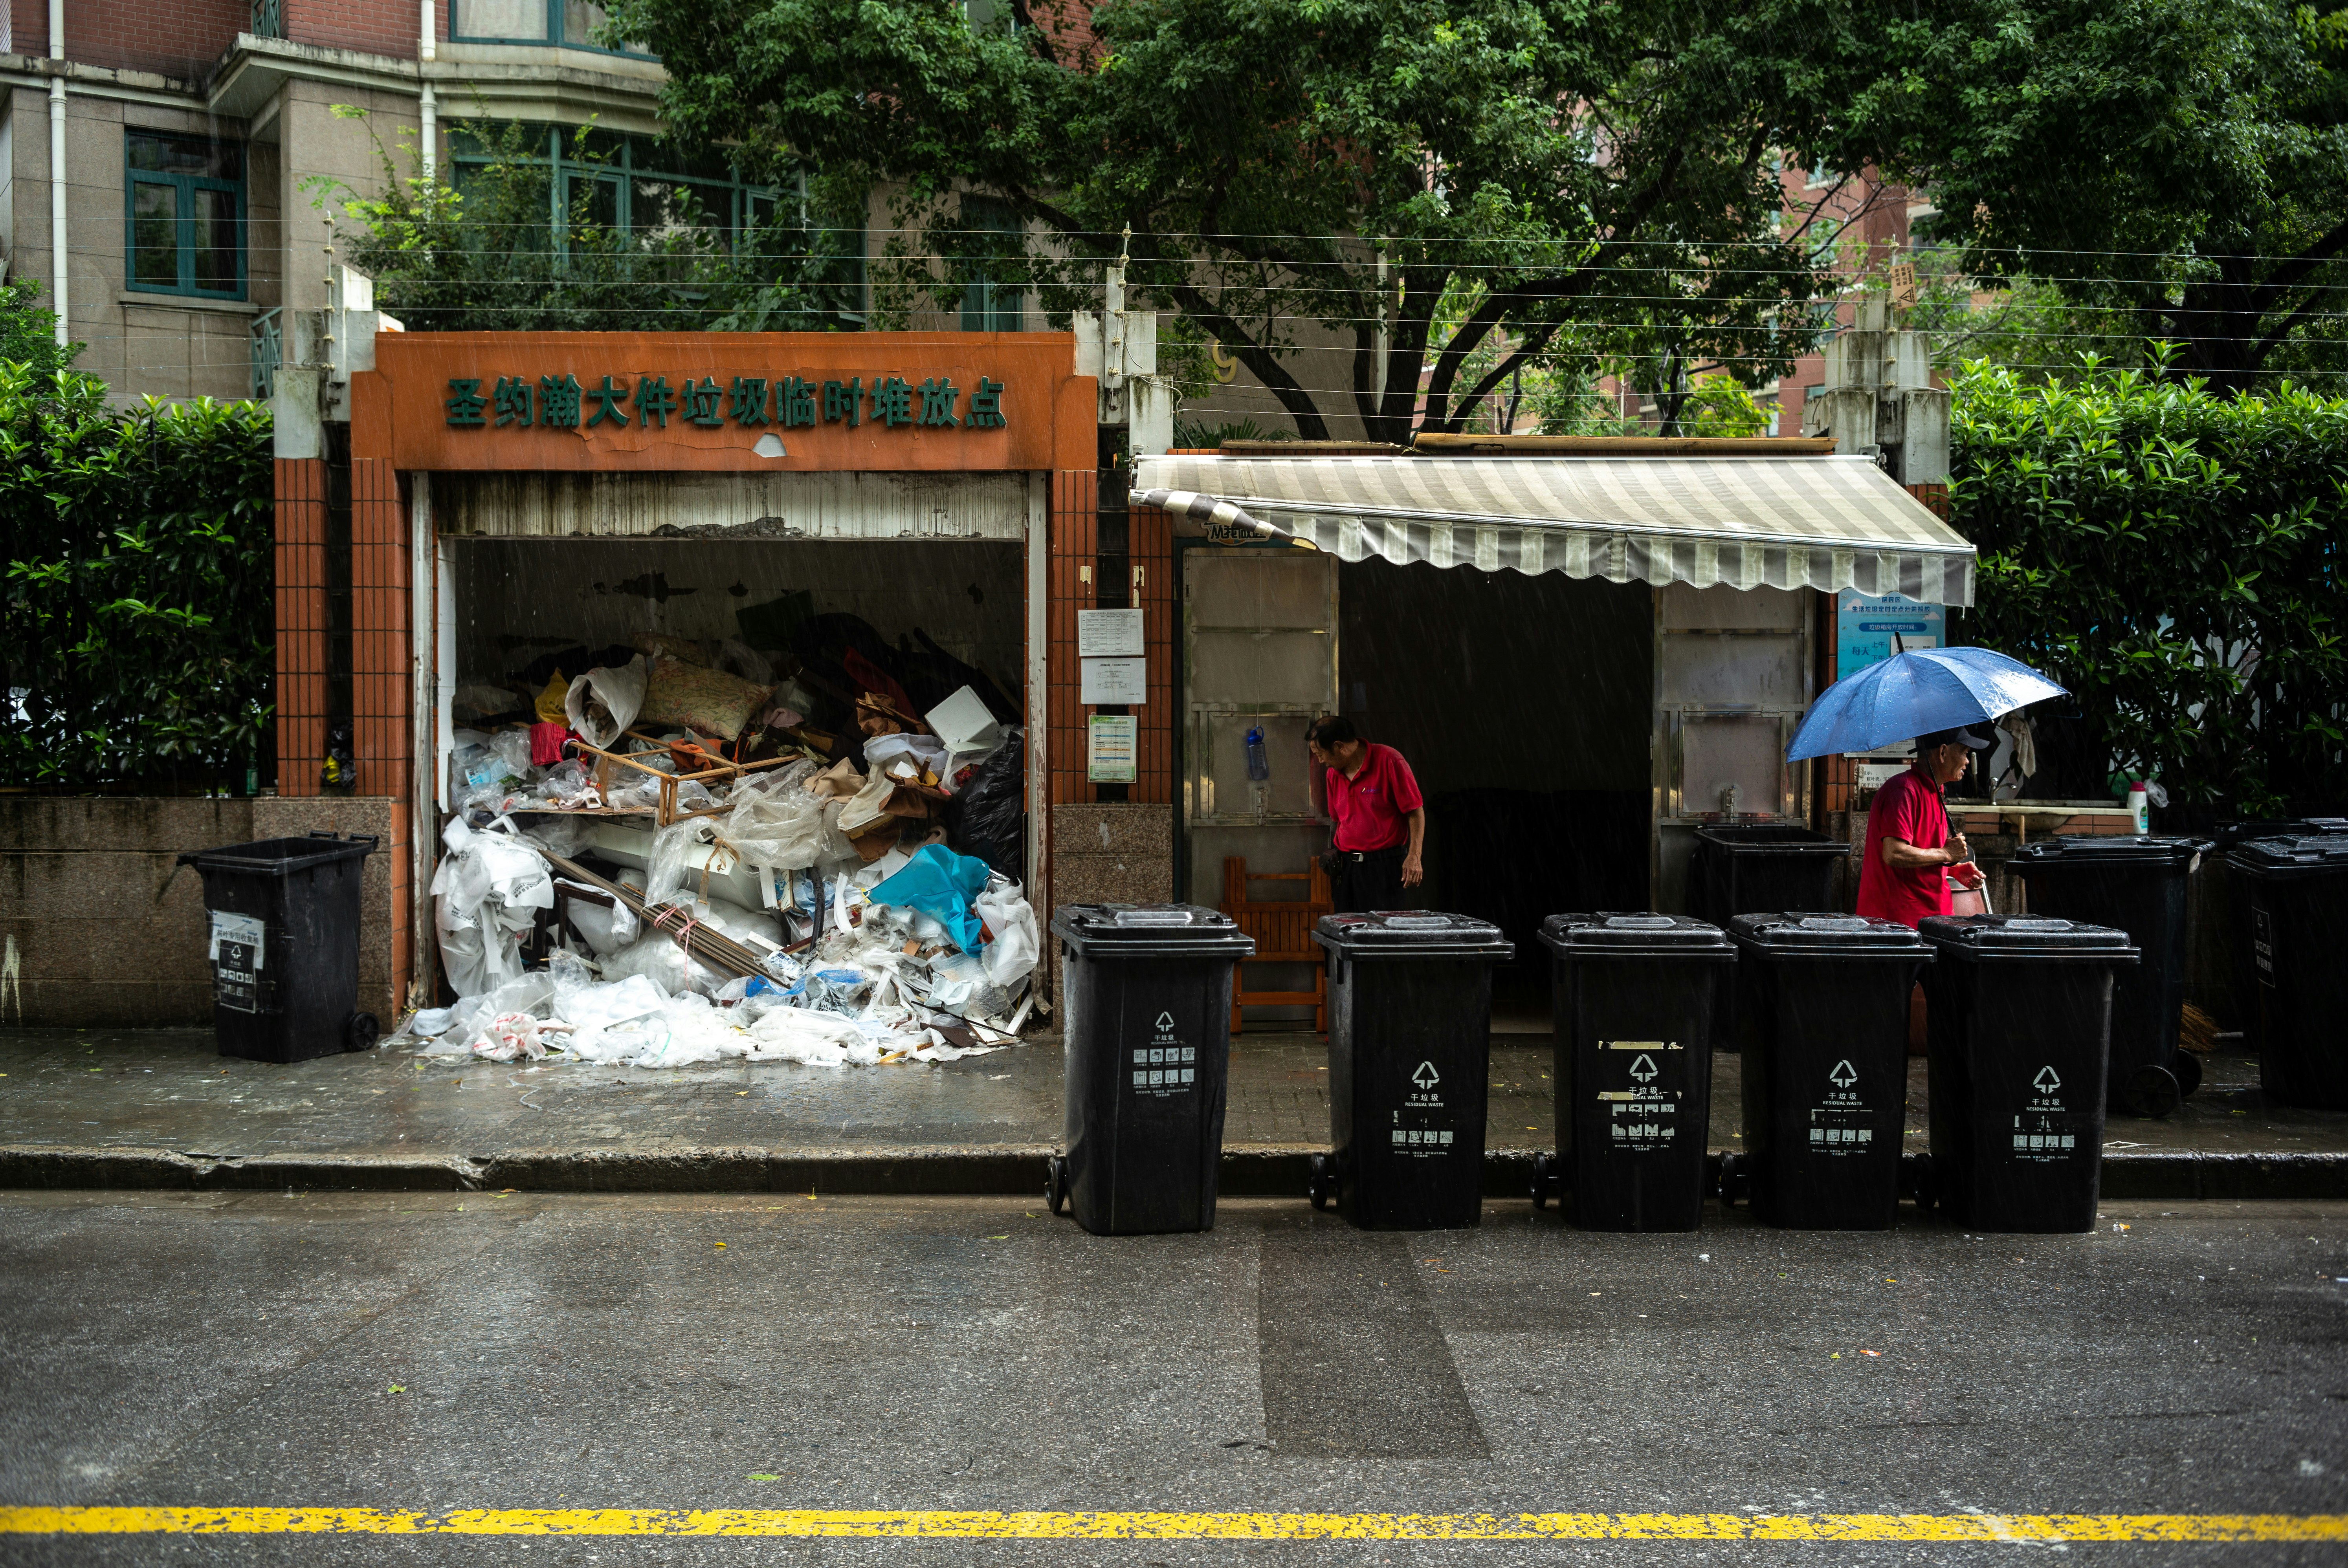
(642,192)
(183,215)
(991,303)
(566,24)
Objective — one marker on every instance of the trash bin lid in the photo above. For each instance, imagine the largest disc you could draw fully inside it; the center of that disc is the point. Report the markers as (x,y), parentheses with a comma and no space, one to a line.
(1987,938)
(2135,850)
(1769,839)
(2307,855)
(1631,935)
(1412,934)
(1150,931)
(1799,933)
(280,856)
(2230,833)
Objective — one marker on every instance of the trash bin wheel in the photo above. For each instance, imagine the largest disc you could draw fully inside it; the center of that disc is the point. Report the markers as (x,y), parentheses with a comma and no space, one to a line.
(1321,1181)
(2152,1091)
(1055,1184)
(1544,1179)
(362,1031)
(1735,1181)
(2187,1068)
(1916,1180)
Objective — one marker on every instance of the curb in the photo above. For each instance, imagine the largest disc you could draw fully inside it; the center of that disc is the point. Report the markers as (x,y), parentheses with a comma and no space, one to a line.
(1247,1171)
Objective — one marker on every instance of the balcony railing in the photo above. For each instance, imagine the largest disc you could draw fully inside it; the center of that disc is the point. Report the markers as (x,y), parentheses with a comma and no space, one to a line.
(268,18)
(268,354)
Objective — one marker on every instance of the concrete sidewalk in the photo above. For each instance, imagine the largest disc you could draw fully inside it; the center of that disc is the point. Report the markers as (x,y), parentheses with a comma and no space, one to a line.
(159,1108)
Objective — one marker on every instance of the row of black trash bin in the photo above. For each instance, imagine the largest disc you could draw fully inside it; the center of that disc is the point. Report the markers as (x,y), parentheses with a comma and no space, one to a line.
(2026,1046)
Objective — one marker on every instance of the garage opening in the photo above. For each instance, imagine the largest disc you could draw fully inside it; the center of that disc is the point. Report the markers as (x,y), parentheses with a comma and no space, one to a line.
(756,648)
(1524,704)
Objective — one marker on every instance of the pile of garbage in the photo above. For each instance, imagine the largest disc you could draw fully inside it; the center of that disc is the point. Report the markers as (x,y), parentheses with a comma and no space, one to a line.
(801,899)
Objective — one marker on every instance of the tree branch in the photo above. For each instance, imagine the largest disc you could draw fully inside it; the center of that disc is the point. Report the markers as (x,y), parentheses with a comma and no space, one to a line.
(1260,360)
(2289,276)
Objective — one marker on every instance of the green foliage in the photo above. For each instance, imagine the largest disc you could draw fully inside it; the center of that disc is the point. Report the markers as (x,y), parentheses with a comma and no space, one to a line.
(137,612)
(28,331)
(1602,177)
(2179,560)
(2179,167)
(1720,406)
(486,254)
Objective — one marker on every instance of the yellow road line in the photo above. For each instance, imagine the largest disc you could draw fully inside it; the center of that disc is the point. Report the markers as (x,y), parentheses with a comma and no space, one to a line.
(941,1525)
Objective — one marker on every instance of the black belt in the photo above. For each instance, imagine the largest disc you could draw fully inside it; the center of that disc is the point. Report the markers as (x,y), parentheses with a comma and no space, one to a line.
(1361,855)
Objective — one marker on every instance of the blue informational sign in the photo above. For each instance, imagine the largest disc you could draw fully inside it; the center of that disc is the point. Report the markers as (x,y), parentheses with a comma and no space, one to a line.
(1866,623)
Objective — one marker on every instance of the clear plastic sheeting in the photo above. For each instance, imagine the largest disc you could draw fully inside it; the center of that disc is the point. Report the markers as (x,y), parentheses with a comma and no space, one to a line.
(916,957)
(484,895)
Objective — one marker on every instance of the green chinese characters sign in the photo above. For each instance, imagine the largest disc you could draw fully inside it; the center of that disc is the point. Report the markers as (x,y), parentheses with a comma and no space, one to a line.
(748,401)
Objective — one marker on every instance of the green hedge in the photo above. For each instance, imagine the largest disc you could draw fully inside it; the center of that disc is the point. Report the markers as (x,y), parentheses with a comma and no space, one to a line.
(2175,559)
(136,615)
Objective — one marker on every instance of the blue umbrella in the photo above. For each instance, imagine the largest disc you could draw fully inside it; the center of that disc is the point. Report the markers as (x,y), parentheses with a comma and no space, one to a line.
(1911,694)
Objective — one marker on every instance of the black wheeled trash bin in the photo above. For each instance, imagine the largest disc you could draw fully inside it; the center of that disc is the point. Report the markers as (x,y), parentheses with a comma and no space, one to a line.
(1146,993)
(1410,1049)
(2296,890)
(2020,1039)
(1634,1001)
(2135,884)
(2233,910)
(284,946)
(1760,869)
(1822,1021)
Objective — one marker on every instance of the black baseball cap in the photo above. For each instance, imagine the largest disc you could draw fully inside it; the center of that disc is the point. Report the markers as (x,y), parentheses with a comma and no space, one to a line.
(1960,736)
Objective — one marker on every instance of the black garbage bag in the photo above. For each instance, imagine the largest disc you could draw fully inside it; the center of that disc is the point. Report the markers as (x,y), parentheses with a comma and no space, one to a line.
(939,673)
(987,817)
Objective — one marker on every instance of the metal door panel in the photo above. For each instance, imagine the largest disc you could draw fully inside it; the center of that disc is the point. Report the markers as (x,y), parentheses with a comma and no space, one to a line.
(1734,670)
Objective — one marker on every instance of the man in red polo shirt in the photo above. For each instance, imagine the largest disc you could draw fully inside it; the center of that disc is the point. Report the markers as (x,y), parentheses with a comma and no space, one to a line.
(1910,850)
(1381,821)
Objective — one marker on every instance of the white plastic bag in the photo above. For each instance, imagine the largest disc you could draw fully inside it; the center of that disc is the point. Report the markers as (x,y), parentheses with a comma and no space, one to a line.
(483,896)
(817,1039)
(882,753)
(603,703)
(606,930)
(1011,954)
(511,1036)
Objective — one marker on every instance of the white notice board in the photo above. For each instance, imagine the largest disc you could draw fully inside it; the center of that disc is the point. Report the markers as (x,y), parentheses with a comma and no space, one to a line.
(1114,681)
(1108,634)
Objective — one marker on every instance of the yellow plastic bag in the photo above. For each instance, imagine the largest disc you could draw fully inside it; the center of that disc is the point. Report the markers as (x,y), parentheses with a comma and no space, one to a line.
(550,701)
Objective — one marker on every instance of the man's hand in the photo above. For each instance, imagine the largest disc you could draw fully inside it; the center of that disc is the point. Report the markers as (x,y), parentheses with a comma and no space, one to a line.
(1412,876)
(1959,850)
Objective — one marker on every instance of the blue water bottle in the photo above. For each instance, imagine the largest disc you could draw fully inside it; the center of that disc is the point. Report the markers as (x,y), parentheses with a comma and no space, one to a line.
(1259,764)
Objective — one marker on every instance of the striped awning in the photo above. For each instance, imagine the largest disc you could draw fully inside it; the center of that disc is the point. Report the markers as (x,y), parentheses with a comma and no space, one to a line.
(1828,523)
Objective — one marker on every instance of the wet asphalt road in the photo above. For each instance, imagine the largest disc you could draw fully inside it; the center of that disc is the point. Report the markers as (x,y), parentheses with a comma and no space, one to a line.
(429,1352)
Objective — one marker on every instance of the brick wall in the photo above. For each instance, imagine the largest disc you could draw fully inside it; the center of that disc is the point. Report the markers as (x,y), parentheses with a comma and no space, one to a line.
(363,25)
(100,927)
(181,38)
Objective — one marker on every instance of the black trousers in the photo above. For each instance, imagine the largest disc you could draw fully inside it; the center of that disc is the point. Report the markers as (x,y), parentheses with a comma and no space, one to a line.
(1368,879)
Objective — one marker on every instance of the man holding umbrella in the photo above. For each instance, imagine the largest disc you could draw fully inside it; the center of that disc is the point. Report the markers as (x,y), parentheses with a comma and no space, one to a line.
(1909,848)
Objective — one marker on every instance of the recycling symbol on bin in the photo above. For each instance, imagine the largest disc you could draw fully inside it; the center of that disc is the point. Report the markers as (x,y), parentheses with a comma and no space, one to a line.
(1166,1020)
(1644,1069)
(1844,1074)
(1426,1077)
(2046,1082)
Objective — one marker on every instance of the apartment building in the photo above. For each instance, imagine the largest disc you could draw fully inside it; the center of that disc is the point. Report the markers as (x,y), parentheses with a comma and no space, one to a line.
(175,164)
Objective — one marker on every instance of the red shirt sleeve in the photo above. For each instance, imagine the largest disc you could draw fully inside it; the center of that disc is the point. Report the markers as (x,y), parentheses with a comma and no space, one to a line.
(1911,818)
(1402,786)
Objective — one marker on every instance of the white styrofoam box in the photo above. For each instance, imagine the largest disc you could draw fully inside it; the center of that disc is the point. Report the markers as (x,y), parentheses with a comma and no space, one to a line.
(963,723)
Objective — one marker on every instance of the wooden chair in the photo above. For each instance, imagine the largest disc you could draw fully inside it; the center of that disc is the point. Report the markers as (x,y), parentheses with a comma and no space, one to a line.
(1283,930)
